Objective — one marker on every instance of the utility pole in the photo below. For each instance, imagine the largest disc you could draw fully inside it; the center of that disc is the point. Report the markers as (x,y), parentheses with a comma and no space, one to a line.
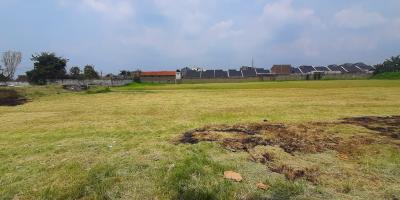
(252,62)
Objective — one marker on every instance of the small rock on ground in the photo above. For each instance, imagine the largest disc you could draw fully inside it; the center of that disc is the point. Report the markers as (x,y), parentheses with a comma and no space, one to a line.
(233,176)
(262,186)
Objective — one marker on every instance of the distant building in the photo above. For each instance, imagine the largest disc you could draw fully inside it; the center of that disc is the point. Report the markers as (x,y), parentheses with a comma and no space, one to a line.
(281,69)
(178,75)
(244,68)
(158,77)
(233,73)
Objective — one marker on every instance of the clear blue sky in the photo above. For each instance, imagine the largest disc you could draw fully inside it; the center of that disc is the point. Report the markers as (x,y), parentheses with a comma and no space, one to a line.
(168,34)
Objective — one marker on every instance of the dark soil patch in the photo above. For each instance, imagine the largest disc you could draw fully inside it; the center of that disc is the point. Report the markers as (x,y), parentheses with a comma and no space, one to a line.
(310,174)
(246,136)
(11,98)
(388,126)
(305,138)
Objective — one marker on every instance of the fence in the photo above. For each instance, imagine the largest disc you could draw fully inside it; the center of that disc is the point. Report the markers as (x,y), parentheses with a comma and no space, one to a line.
(92,82)
(14,83)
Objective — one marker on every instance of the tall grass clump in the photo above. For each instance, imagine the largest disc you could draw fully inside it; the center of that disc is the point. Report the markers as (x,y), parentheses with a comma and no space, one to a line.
(198,177)
(284,190)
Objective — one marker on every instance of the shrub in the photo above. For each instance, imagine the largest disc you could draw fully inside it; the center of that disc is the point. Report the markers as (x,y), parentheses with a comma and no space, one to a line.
(387,75)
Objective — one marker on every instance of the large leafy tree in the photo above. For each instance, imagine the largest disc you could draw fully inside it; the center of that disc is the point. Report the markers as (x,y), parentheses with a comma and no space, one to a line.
(125,73)
(390,65)
(75,72)
(90,73)
(47,66)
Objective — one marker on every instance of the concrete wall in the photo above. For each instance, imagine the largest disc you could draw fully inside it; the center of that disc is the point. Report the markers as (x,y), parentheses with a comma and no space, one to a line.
(14,83)
(346,76)
(163,79)
(291,77)
(93,82)
(237,80)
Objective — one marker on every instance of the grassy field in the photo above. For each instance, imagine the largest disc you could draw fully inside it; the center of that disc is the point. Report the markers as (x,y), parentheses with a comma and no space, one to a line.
(121,143)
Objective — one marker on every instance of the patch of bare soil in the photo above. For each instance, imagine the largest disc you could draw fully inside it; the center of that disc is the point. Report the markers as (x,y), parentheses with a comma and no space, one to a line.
(244,137)
(11,98)
(275,144)
(388,126)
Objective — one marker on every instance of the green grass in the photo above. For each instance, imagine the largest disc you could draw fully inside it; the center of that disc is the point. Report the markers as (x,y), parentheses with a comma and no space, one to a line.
(98,90)
(197,177)
(262,85)
(388,76)
(282,189)
(121,144)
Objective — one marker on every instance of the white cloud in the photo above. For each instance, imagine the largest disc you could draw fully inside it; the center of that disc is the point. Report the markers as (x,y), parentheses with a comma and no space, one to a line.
(358,18)
(276,17)
(307,46)
(189,16)
(394,29)
(201,31)
(223,30)
(110,9)
(121,9)
(283,10)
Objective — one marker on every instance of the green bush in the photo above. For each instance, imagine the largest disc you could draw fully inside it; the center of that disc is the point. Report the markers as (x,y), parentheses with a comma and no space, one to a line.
(388,76)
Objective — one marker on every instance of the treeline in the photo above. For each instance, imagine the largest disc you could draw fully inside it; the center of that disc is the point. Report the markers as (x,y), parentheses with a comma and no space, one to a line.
(49,66)
(390,65)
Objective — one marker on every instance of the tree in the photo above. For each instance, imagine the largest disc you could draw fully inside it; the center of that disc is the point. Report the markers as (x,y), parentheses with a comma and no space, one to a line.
(125,74)
(47,66)
(75,72)
(10,61)
(390,65)
(90,73)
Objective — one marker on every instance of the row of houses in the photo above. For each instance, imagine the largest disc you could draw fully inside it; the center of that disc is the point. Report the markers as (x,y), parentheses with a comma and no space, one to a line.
(253,72)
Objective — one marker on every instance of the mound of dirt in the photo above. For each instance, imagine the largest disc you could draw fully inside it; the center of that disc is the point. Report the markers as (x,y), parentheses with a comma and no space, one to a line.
(11,98)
